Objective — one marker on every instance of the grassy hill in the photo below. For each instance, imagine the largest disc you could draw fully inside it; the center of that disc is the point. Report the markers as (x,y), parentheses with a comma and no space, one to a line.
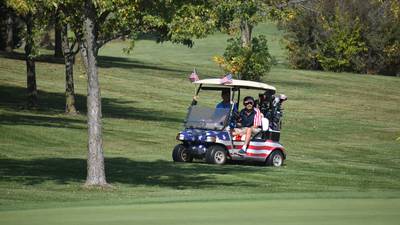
(340,133)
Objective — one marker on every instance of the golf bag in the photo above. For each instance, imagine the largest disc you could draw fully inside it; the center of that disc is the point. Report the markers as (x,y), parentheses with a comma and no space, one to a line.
(271,106)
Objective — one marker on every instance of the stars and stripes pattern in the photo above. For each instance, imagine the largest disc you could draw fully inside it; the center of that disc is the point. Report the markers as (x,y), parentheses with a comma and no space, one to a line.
(200,136)
(193,76)
(255,149)
(257,118)
(227,79)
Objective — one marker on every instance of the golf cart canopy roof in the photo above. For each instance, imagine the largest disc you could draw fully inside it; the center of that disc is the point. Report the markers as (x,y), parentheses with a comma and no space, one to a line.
(216,83)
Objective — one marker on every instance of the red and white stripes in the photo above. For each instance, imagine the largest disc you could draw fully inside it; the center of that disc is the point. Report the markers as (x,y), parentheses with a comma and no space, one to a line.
(257,118)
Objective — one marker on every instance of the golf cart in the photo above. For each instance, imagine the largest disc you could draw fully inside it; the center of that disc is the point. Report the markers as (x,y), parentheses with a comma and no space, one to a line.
(207,134)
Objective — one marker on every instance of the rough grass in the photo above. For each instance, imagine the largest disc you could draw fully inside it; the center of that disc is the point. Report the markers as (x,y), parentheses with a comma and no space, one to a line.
(340,132)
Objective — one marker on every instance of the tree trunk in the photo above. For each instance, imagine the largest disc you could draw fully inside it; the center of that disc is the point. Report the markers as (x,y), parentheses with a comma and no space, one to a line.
(9,33)
(30,63)
(58,51)
(245,31)
(45,42)
(95,162)
(69,73)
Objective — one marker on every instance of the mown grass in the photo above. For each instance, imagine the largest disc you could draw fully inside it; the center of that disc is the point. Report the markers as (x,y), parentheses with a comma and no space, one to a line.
(340,132)
(304,211)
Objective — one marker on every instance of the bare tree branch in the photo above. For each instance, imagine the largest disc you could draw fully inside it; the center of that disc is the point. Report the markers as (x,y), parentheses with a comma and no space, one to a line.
(74,46)
(102,18)
(104,41)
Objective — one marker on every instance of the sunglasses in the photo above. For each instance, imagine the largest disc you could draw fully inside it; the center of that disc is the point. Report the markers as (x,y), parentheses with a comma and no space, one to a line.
(246,103)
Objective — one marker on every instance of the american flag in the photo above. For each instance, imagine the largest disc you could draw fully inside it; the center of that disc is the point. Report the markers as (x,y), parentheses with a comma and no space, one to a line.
(227,79)
(257,118)
(193,76)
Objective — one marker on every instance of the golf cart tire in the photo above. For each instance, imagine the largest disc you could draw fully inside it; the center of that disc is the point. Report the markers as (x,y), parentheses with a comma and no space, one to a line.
(216,154)
(275,159)
(181,154)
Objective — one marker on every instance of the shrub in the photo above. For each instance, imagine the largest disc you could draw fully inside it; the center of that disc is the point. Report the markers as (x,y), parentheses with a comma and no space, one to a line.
(247,63)
(345,35)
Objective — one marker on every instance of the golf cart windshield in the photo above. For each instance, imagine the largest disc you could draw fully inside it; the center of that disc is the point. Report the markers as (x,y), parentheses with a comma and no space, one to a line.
(201,117)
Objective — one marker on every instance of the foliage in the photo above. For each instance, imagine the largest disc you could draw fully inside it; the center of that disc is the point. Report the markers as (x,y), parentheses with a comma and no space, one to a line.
(198,21)
(231,14)
(17,27)
(39,14)
(345,35)
(247,63)
(176,21)
(246,57)
(342,44)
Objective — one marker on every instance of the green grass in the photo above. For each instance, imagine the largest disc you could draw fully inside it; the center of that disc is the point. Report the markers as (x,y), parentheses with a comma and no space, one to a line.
(340,133)
(305,211)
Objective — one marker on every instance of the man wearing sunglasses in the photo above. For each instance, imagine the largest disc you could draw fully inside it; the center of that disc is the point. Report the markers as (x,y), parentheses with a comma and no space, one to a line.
(249,122)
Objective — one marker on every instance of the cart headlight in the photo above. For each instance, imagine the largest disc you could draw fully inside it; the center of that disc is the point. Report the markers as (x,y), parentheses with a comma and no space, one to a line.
(210,139)
(180,137)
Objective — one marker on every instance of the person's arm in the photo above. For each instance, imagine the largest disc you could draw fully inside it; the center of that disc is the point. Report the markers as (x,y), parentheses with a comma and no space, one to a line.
(194,101)
(239,119)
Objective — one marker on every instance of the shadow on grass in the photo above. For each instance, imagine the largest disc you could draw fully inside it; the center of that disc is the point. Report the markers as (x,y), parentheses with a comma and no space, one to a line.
(103,61)
(42,58)
(121,170)
(41,120)
(127,63)
(52,103)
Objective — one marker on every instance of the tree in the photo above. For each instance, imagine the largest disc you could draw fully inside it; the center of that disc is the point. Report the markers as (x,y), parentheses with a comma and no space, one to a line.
(33,13)
(247,57)
(247,63)
(9,42)
(58,49)
(30,60)
(10,28)
(26,11)
(69,51)
(95,162)
(241,16)
(67,17)
(103,21)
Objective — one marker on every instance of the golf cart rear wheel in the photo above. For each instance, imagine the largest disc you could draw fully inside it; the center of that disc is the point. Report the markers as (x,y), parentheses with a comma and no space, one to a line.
(275,159)
(181,154)
(216,155)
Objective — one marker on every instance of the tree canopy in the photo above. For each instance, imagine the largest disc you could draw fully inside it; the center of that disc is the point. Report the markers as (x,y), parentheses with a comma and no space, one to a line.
(345,35)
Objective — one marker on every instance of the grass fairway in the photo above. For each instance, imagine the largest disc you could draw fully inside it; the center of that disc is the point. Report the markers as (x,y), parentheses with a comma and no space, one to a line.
(296,212)
(340,132)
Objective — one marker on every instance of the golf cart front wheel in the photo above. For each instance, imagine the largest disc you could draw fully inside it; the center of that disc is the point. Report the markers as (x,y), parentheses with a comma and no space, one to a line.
(216,155)
(181,154)
(275,159)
